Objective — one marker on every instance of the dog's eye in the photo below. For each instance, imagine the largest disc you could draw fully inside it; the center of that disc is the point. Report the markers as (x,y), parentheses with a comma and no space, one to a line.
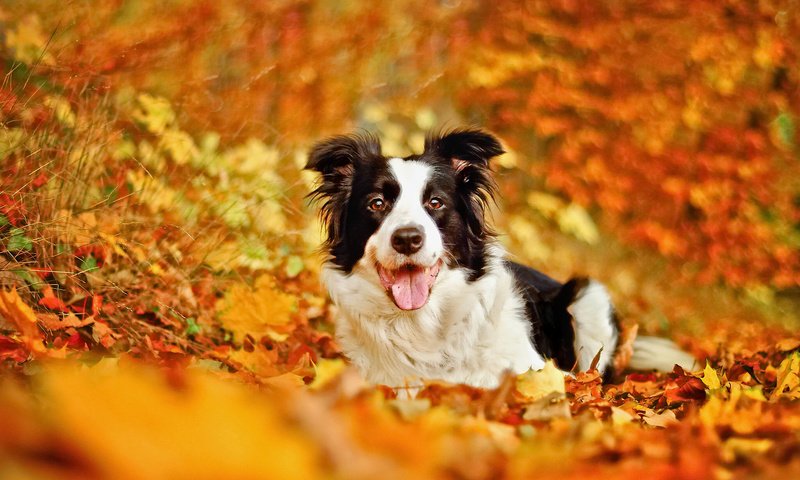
(435,203)
(376,204)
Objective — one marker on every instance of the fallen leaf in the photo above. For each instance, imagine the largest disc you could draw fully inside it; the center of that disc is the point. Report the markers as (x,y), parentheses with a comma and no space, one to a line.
(537,384)
(686,388)
(258,311)
(52,321)
(14,310)
(788,380)
(12,350)
(143,426)
(736,448)
(663,419)
(327,370)
(710,378)
(50,301)
(621,417)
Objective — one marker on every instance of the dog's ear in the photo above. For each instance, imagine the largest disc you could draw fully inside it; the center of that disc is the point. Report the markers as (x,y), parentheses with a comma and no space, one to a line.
(468,152)
(337,158)
(467,147)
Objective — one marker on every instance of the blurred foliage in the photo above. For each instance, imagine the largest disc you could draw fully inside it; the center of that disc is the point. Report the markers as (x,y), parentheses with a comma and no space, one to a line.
(152,211)
(676,122)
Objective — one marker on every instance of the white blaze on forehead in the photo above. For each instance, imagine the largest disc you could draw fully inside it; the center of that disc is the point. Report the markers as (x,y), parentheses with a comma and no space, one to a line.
(413,177)
(408,209)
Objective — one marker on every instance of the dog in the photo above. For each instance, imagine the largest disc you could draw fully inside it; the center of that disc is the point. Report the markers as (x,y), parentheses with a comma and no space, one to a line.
(423,291)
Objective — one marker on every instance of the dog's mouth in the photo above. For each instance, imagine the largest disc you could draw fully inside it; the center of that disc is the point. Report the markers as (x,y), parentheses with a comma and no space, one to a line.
(410,285)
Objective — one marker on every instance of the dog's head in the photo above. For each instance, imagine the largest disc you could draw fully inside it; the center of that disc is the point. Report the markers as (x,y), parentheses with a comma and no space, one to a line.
(406,217)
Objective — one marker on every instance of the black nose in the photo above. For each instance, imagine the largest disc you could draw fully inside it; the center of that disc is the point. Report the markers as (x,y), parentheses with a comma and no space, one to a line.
(408,240)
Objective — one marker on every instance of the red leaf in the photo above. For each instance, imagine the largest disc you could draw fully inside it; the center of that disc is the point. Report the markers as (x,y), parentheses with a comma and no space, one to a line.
(12,350)
(688,388)
(50,301)
(39,181)
(298,353)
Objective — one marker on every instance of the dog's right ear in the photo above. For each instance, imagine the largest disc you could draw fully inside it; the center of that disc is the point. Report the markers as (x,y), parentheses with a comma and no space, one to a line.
(337,157)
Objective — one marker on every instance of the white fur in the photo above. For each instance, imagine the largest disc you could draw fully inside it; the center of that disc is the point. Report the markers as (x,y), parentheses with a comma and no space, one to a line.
(592,314)
(407,210)
(654,353)
(468,332)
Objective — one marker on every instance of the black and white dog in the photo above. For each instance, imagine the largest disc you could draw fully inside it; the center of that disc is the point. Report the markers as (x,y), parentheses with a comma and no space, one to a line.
(423,289)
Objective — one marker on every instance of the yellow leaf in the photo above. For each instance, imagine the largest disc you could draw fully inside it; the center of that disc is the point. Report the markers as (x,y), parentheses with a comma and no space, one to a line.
(143,427)
(710,378)
(544,203)
(327,370)
(28,42)
(155,269)
(179,145)
(620,417)
(509,160)
(711,412)
(575,220)
(755,392)
(527,237)
(788,376)
(61,109)
(734,448)
(537,384)
(260,361)
(154,113)
(256,311)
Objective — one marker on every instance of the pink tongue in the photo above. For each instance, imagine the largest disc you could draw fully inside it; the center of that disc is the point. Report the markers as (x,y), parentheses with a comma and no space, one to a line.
(410,288)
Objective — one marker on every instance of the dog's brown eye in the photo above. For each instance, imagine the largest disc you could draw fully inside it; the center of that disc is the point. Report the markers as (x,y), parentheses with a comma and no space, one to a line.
(377,204)
(435,203)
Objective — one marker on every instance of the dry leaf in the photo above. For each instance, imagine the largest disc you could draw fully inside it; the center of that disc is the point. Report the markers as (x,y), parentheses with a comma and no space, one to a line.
(16,312)
(258,311)
(537,384)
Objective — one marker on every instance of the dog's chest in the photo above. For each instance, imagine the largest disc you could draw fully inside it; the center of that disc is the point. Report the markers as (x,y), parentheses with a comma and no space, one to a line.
(466,334)
(399,350)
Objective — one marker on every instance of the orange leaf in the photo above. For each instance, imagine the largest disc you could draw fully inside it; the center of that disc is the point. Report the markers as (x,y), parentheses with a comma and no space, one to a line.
(50,301)
(52,321)
(14,310)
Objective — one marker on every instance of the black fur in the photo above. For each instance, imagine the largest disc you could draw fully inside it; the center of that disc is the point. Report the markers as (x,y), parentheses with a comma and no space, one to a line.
(546,302)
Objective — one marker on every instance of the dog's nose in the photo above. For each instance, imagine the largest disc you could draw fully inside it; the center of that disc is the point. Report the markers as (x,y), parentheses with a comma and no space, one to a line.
(408,240)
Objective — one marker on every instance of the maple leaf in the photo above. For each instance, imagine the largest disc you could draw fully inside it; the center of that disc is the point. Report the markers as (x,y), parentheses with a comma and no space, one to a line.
(710,378)
(537,384)
(260,311)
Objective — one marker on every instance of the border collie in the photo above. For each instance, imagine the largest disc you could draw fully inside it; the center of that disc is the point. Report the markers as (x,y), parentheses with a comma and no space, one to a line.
(422,288)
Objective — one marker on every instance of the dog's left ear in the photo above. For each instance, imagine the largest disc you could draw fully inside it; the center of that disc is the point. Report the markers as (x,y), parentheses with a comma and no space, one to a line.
(468,147)
(468,151)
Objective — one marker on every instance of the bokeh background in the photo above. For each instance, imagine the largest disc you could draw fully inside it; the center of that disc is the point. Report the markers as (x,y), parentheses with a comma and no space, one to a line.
(673,124)
(152,192)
